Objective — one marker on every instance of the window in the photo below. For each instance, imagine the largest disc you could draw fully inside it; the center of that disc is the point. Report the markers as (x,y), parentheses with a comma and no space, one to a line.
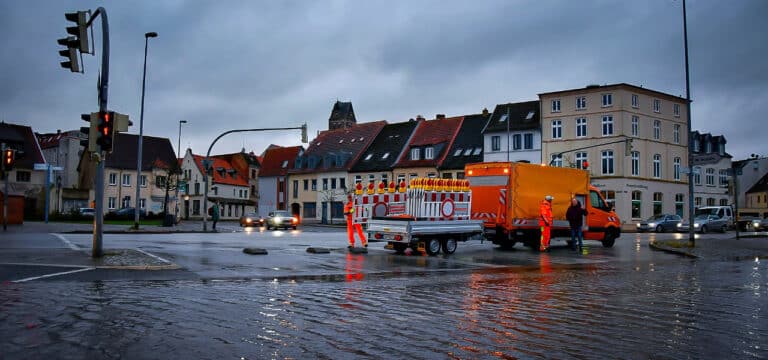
(635,101)
(415,154)
(143,180)
(635,125)
(516,142)
(581,127)
(431,175)
(358,179)
(23,176)
(495,143)
(708,147)
(467,151)
(557,129)
(310,210)
(285,164)
(400,179)
(314,184)
(385,156)
(656,105)
(637,203)
(635,163)
(306,184)
(556,106)
(557,160)
(676,134)
(458,151)
(697,201)
(710,202)
(112,178)
(197,188)
(610,197)
(581,103)
(478,151)
(111,202)
(657,203)
(325,184)
(656,130)
(412,176)
(126,179)
(657,166)
(581,157)
(710,177)
(385,179)
(676,168)
(607,125)
(142,203)
(676,110)
(342,183)
(460,175)
(607,100)
(295,189)
(429,153)
(679,204)
(607,162)
(368,157)
(528,141)
(160,181)
(333,183)
(723,178)
(696,146)
(697,175)
(126,202)
(371,178)
(723,202)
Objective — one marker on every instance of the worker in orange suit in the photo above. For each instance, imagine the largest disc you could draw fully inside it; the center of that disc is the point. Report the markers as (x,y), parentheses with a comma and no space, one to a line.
(545,221)
(349,211)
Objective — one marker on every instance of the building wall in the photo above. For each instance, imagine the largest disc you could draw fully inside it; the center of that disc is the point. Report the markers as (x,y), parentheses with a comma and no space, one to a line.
(333,192)
(529,155)
(151,192)
(751,173)
(717,193)
(267,195)
(623,203)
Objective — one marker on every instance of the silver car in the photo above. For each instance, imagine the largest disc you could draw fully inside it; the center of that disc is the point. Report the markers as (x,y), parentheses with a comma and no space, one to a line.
(703,223)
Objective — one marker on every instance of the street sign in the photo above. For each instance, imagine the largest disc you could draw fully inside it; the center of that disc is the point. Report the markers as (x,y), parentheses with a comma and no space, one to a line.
(686,170)
(45,167)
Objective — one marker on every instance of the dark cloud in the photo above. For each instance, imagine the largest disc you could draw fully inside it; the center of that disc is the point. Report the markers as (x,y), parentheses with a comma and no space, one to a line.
(251,64)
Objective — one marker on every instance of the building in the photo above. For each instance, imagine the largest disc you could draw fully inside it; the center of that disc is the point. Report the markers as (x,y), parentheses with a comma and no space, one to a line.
(633,141)
(228,186)
(63,150)
(342,116)
(318,181)
(273,175)
(375,165)
(711,173)
(427,148)
(749,173)
(467,147)
(25,184)
(248,166)
(756,203)
(157,166)
(513,133)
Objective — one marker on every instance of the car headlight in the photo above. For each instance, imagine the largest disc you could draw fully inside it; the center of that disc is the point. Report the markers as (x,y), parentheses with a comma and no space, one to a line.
(278,219)
(679,225)
(652,224)
(696,225)
(638,224)
(248,220)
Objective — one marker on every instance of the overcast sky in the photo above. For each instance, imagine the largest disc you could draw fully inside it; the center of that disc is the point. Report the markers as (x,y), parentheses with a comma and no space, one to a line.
(223,65)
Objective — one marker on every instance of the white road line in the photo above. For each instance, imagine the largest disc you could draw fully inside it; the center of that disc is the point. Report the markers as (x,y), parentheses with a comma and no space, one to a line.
(43,264)
(54,274)
(153,255)
(66,242)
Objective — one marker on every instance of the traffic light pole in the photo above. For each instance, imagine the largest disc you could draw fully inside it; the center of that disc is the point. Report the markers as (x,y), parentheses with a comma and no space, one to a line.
(303,129)
(5,192)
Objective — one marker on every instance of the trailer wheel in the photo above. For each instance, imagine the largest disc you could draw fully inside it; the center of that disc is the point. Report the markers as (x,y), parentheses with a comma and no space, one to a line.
(449,245)
(432,246)
(610,238)
(399,248)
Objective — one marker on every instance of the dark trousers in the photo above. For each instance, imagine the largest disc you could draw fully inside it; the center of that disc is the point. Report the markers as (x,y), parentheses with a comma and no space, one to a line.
(577,233)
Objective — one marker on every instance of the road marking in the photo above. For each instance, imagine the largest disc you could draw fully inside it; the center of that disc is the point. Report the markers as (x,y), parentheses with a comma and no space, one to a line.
(54,274)
(154,256)
(44,265)
(66,242)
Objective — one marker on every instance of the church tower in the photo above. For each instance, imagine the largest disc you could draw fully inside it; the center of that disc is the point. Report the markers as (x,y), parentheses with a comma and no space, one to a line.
(342,116)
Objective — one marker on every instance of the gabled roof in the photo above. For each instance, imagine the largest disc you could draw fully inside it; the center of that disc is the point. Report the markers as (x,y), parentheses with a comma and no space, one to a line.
(19,137)
(760,186)
(439,134)
(385,148)
(241,161)
(338,150)
(125,149)
(275,157)
(631,87)
(223,172)
(518,116)
(52,140)
(468,146)
(703,138)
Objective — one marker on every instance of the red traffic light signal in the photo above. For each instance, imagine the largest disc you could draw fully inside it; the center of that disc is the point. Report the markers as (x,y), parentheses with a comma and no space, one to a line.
(106,129)
(9,159)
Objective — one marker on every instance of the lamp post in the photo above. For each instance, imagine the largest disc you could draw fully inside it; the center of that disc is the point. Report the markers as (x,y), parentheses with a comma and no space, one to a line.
(176,214)
(691,236)
(141,134)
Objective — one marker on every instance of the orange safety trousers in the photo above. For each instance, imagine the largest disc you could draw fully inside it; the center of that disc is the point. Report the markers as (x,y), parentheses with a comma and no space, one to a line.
(351,227)
(545,235)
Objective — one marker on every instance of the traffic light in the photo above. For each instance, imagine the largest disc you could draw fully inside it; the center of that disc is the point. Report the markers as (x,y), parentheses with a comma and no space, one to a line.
(79,31)
(106,130)
(9,159)
(70,53)
(90,132)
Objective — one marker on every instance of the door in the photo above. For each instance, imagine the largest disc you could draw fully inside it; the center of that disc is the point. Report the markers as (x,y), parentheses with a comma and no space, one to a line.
(596,216)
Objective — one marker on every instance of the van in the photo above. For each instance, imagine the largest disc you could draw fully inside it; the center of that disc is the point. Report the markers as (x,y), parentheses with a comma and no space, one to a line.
(722,212)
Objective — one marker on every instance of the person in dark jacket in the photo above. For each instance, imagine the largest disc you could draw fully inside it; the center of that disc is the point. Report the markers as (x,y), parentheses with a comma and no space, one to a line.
(575,215)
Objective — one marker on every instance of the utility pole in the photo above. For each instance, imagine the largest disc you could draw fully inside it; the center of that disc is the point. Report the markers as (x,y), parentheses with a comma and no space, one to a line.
(691,236)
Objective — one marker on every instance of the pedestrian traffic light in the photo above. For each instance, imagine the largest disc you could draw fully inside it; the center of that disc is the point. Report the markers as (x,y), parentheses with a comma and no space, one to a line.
(106,130)
(88,141)
(9,159)
(70,53)
(79,31)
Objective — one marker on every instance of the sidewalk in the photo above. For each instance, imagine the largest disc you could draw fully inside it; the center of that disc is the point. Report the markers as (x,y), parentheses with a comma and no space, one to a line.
(746,248)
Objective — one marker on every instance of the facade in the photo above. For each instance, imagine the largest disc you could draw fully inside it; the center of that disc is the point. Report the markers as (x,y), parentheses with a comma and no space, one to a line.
(751,173)
(375,164)
(25,184)
(467,147)
(756,203)
(229,186)
(711,165)
(427,148)
(63,149)
(513,133)
(157,165)
(273,177)
(633,141)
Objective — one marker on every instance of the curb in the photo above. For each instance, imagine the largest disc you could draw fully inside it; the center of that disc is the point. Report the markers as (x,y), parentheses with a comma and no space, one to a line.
(670,250)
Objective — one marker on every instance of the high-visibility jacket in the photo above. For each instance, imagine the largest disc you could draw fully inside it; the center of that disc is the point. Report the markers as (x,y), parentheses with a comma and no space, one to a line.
(349,209)
(545,212)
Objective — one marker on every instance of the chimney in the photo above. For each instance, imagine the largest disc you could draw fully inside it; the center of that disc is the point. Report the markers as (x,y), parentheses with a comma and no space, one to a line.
(419,118)
(440,116)
(485,111)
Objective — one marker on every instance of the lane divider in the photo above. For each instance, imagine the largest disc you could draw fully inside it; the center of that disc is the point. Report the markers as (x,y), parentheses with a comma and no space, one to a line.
(153,256)
(66,242)
(52,275)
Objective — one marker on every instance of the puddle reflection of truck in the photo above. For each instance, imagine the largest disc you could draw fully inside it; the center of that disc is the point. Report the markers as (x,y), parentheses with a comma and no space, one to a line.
(502,204)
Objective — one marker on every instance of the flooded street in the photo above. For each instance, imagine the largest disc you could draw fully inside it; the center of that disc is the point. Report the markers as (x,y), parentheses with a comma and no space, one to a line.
(626,302)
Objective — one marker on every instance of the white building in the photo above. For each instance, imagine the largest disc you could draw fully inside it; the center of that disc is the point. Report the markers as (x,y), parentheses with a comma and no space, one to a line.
(711,173)
(513,133)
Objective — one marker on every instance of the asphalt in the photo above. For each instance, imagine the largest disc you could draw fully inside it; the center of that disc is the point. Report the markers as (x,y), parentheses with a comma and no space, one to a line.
(747,246)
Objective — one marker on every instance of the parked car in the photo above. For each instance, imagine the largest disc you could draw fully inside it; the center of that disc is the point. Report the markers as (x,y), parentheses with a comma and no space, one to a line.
(660,223)
(760,225)
(703,223)
(281,219)
(251,219)
(127,213)
(721,212)
(87,212)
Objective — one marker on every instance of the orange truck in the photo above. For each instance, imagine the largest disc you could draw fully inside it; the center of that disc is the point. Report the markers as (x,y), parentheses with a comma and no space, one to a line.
(506,197)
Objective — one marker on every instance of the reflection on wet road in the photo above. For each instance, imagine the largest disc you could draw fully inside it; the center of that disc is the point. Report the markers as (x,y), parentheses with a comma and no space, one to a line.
(653,306)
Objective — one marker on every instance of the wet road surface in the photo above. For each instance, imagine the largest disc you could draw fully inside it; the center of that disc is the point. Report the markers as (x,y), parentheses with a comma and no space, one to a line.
(624,302)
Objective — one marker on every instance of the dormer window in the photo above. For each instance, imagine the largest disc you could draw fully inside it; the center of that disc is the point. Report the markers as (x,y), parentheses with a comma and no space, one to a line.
(467,152)
(429,153)
(530,115)
(368,157)
(385,156)
(458,152)
(415,154)
(709,147)
(477,151)
(503,118)
(285,164)
(341,141)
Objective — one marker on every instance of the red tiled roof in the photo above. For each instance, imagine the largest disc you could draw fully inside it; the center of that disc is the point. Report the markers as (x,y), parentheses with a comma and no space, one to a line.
(431,132)
(222,177)
(275,156)
(347,143)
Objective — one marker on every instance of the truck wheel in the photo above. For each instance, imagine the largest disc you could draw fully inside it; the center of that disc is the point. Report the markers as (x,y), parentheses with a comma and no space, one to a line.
(449,246)
(432,246)
(610,239)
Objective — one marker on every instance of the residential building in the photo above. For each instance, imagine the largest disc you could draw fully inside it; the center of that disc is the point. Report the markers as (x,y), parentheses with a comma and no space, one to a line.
(157,165)
(248,165)
(756,203)
(375,164)
(273,177)
(749,173)
(467,147)
(318,181)
(25,184)
(592,127)
(427,148)
(63,150)
(342,116)
(513,133)
(711,173)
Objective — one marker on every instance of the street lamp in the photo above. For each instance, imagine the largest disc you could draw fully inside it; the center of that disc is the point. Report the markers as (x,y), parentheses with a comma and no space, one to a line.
(176,214)
(141,132)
